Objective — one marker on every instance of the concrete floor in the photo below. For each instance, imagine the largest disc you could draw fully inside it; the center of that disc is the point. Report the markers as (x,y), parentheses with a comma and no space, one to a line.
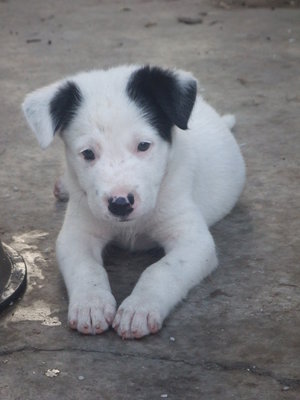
(237,334)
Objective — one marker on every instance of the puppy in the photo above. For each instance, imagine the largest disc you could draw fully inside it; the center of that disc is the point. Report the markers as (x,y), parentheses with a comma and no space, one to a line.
(148,162)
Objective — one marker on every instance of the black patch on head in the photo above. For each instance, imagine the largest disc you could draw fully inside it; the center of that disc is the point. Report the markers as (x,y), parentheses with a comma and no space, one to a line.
(64,105)
(165,99)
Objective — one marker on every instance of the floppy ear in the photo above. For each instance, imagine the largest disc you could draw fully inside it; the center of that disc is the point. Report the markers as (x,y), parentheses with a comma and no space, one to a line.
(50,109)
(166,97)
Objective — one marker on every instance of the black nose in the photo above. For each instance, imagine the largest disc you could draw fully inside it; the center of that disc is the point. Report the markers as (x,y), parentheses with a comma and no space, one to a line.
(121,206)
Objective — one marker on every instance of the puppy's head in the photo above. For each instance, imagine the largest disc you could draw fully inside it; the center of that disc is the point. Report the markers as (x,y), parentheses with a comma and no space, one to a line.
(117,128)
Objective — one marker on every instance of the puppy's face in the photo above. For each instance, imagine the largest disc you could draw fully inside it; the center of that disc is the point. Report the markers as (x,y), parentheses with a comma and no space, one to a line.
(116,157)
(117,129)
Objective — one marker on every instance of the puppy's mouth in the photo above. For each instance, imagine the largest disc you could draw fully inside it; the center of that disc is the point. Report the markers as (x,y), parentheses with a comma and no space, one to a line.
(124,219)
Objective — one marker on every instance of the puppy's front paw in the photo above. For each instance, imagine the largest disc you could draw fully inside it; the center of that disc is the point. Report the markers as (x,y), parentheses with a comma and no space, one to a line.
(137,318)
(92,314)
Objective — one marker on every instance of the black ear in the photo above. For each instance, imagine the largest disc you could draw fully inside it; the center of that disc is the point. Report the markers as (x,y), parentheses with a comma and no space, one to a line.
(166,97)
(64,105)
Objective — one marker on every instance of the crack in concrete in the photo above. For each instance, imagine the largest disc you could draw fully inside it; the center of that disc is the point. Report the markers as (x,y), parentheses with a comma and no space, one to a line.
(291,383)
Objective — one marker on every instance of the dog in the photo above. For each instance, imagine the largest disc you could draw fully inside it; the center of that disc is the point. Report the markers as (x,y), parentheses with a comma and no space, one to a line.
(149,163)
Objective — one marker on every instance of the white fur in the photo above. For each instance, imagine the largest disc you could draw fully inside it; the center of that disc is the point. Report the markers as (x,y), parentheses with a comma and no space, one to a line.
(180,190)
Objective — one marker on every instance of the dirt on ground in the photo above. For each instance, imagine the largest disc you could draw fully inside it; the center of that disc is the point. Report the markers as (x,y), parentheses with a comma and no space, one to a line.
(272,4)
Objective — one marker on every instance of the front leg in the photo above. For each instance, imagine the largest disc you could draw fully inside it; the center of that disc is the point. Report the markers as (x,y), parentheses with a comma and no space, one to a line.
(190,256)
(92,307)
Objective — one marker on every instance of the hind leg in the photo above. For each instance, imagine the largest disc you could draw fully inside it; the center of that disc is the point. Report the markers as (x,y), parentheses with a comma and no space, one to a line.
(60,189)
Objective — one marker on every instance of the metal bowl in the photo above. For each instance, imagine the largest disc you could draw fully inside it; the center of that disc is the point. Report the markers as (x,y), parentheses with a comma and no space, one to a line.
(13,275)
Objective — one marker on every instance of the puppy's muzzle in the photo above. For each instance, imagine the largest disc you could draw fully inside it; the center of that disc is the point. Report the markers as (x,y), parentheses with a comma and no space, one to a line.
(121,206)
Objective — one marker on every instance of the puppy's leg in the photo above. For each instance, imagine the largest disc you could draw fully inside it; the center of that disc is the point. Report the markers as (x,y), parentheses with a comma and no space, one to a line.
(60,189)
(92,307)
(190,256)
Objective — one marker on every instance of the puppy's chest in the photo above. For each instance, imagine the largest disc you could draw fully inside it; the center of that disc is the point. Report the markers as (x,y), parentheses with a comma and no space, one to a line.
(131,239)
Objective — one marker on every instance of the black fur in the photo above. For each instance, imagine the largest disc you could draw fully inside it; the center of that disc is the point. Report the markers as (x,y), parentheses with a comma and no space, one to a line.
(64,105)
(165,100)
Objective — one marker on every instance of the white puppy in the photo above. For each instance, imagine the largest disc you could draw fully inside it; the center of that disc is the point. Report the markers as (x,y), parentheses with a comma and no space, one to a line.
(148,162)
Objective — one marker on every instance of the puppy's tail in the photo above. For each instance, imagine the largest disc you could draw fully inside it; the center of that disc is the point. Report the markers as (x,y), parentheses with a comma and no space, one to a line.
(229,120)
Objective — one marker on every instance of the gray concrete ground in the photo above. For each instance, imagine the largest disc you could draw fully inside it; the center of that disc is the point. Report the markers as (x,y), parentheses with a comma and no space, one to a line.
(236,336)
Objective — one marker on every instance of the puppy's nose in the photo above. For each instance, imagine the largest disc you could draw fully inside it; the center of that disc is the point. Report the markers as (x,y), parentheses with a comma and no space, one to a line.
(121,206)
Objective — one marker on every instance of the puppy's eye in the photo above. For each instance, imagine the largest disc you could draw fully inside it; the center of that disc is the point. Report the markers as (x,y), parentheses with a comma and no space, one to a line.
(88,155)
(143,146)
